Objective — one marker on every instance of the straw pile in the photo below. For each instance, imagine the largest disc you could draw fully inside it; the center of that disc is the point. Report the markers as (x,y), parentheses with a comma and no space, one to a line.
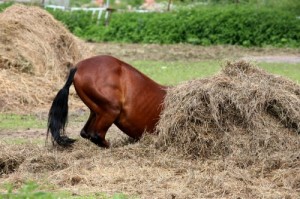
(241,111)
(34,49)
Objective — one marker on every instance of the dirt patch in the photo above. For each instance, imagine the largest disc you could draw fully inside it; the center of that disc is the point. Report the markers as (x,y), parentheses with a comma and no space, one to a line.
(275,59)
(9,164)
(184,52)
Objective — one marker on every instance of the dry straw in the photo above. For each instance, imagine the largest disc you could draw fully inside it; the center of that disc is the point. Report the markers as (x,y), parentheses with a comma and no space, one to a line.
(35,53)
(241,110)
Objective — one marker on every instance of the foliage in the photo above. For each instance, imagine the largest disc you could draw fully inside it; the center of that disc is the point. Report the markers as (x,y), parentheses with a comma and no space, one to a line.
(204,25)
(75,20)
(288,5)
(4,5)
(247,26)
(247,23)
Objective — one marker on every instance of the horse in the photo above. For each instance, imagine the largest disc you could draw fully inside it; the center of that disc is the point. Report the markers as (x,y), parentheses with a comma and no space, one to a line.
(115,93)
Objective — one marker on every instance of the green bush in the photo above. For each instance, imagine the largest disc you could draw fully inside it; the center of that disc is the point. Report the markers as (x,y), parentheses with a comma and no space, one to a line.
(74,20)
(246,26)
(211,25)
(4,5)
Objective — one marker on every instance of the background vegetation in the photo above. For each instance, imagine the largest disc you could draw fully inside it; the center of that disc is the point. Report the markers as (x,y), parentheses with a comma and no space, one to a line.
(4,5)
(217,22)
(242,24)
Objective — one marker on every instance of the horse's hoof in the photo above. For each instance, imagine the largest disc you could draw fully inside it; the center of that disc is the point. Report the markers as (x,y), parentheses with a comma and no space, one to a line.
(65,141)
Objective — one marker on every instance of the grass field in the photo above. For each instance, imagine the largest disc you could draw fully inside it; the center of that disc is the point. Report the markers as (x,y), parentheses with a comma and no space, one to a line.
(172,73)
(31,190)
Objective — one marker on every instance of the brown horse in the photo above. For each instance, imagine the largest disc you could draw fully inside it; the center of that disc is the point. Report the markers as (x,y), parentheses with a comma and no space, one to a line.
(116,93)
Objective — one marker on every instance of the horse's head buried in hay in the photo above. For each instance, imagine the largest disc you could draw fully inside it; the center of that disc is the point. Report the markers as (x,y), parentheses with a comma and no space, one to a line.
(116,93)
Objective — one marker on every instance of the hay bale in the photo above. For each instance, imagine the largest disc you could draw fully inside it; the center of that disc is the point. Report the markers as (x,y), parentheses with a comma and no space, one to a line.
(243,112)
(36,49)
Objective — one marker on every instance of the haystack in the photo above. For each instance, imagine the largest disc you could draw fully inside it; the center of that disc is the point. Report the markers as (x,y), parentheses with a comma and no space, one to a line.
(242,112)
(35,53)
(241,127)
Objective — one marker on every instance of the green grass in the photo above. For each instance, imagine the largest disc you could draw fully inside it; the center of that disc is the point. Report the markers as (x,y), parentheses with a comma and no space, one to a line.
(172,73)
(27,191)
(10,122)
(14,121)
(291,71)
(31,190)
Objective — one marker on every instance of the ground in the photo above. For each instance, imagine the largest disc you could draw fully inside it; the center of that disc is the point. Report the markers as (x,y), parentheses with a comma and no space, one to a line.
(138,169)
(131,52)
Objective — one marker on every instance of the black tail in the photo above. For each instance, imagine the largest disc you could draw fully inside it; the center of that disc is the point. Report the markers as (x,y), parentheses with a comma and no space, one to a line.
(58,114)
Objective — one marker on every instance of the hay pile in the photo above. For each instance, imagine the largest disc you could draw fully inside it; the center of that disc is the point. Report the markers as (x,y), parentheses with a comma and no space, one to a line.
(241,110)
(243,125)
(35,53)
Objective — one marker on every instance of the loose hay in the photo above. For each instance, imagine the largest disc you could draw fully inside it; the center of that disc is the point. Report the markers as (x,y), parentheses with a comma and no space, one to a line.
(141,170)
(35,52)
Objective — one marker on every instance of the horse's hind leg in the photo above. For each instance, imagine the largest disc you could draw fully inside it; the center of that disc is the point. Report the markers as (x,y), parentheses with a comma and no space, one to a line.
(100,127)
(104,103)
(84,132)
(97,126)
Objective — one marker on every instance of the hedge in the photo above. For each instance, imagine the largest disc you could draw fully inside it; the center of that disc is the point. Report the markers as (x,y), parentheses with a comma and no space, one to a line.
(205,25)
